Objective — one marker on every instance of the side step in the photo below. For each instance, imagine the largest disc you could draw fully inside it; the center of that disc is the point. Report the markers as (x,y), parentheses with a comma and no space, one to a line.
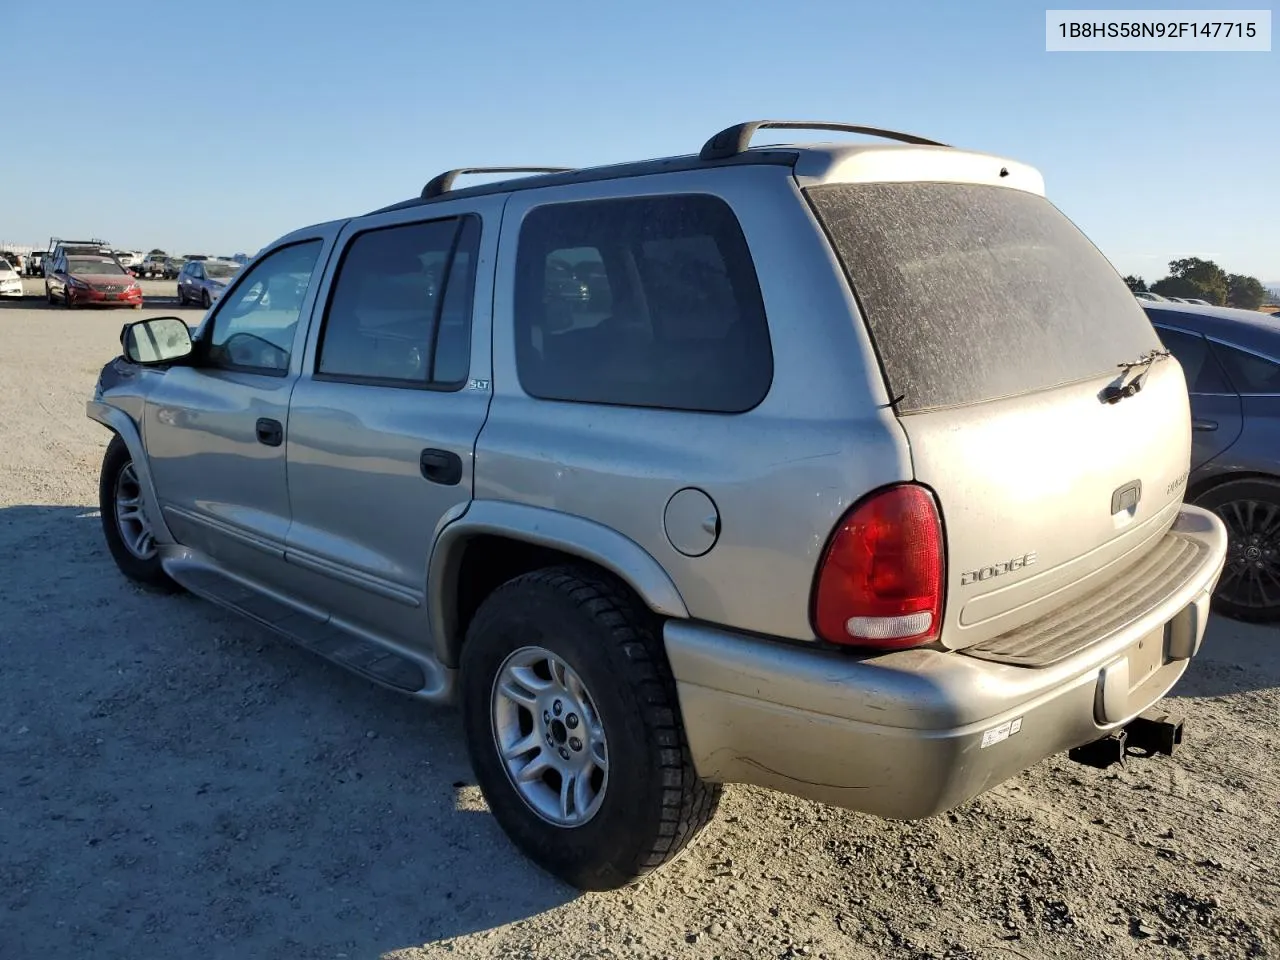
(1149,733)
(308,629)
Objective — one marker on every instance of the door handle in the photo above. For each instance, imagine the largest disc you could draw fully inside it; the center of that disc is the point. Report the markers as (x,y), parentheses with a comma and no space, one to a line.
(270,432)
(1205,425)
(441,466)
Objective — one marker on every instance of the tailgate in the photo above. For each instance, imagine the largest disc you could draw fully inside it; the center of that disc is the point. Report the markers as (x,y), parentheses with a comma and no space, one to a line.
(998,326)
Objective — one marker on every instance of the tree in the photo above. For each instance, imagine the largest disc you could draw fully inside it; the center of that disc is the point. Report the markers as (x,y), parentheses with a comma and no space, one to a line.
(1136,284)
(1177,287)
(1247,293)
(1205,275)
(156,252)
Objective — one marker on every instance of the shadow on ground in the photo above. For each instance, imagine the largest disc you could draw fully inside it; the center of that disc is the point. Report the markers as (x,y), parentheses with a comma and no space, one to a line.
(179,782)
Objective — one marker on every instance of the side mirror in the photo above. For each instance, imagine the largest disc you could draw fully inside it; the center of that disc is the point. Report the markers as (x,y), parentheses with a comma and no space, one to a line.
(158,340)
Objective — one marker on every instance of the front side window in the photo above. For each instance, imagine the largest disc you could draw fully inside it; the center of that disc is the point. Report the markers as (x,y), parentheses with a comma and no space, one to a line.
(400,312)
(648,302)
(254,327)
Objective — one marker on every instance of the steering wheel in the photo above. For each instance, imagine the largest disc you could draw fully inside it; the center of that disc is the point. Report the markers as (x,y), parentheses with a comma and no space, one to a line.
(251,350)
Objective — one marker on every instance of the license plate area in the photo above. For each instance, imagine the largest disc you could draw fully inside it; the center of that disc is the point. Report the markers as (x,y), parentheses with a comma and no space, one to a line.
(1147,656)
(1122,683)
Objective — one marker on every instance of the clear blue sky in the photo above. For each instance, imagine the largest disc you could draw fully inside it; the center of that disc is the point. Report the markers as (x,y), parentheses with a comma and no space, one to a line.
(218,126)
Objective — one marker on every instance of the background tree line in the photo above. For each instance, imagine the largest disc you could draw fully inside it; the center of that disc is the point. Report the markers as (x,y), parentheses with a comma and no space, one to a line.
(1205,280)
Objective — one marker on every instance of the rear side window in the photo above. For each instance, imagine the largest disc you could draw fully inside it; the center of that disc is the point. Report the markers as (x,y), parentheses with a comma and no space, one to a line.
(1249,373)
(975,292)
(400,311)
(1198,365)
(647,302)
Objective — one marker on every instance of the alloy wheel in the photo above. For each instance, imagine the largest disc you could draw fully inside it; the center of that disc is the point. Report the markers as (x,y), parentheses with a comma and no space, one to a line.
(550,737)
(1251,577)
(131,518)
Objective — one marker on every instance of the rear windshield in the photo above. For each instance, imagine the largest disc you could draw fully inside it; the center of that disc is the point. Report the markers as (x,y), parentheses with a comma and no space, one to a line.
(976,292)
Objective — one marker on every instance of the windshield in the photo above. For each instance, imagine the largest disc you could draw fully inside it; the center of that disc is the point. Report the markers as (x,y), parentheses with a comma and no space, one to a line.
(221,271)
(975,292)
(77,265)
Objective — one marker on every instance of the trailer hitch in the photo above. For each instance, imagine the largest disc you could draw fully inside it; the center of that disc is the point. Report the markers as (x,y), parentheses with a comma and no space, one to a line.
(1146,735)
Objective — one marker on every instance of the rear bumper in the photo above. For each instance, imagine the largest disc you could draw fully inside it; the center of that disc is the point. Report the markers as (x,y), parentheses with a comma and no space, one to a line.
(910,734)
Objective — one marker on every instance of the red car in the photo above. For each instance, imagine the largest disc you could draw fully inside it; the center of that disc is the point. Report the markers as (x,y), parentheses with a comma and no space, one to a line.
(80,280)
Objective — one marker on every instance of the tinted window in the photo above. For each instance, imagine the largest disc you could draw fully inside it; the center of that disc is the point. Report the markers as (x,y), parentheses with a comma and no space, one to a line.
(976,292)
(253,328)
(649,302)
(1248,373)
(401,305)
(1198,365)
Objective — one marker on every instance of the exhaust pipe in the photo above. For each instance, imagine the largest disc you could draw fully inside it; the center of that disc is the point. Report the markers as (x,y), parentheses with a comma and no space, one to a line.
(1148,733)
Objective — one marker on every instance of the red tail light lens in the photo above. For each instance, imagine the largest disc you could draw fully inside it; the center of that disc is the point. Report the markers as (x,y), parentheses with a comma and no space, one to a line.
(880,581)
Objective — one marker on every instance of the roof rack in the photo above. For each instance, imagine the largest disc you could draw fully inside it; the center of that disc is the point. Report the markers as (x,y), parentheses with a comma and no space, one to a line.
(734,140)
(441,183)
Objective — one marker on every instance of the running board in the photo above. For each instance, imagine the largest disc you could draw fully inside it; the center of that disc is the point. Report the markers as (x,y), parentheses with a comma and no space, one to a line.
(314,630)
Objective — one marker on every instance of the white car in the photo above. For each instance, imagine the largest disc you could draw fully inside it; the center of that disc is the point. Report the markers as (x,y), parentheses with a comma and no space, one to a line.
(10,281)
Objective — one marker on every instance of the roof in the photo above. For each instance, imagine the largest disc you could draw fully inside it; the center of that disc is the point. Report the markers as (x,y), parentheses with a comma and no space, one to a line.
(1248,328)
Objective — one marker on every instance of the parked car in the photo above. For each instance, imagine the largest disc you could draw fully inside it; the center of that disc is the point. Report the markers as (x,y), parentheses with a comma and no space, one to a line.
(16,260)
(59,248)
(152,265)
(1148,295)
(858,476)
(202,281)
(1231,359)
(35,264)
(10,279)
(172,267)
(85,280)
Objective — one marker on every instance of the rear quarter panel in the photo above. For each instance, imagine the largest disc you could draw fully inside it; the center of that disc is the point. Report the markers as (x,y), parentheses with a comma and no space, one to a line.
(781,475)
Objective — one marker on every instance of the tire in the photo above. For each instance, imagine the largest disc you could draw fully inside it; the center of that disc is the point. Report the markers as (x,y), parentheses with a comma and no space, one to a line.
(204,299)
(67,300)
(48,295)
(1249,588)
(647,803)
(182,297)
(135,564)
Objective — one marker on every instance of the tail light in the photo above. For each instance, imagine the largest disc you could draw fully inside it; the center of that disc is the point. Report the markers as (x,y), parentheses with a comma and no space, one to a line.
(880,581)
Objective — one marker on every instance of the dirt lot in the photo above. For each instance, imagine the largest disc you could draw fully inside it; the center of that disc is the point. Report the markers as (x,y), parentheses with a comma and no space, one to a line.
(177,783)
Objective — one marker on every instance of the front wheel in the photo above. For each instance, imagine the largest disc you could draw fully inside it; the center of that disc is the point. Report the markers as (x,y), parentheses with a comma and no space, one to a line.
(1249,588)
(125,523)
(574,729)
(204,300)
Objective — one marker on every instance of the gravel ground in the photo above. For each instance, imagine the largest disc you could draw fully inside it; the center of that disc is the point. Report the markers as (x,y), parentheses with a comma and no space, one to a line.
(179,783)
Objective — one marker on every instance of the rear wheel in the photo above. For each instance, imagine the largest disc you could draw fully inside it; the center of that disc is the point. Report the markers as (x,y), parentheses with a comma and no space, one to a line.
(1250,585)
(125,523)
(574,729)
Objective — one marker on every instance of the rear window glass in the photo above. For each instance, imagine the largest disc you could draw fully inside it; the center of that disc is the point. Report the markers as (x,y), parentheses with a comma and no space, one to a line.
(648,302)
(1199,367)
(1249,373)
(976,292)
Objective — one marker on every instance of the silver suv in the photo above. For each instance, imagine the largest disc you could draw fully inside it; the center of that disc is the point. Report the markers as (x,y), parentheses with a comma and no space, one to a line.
(854,472)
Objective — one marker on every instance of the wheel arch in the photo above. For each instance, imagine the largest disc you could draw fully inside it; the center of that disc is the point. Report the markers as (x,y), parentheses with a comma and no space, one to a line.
(497,540)
(1212,482)
(123,426)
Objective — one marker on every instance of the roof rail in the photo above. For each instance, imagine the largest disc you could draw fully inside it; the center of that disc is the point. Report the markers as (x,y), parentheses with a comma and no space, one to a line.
(734,140)
(441,184)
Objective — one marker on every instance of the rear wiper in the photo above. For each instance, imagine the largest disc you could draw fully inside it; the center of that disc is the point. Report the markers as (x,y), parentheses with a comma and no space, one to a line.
(1116,392)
